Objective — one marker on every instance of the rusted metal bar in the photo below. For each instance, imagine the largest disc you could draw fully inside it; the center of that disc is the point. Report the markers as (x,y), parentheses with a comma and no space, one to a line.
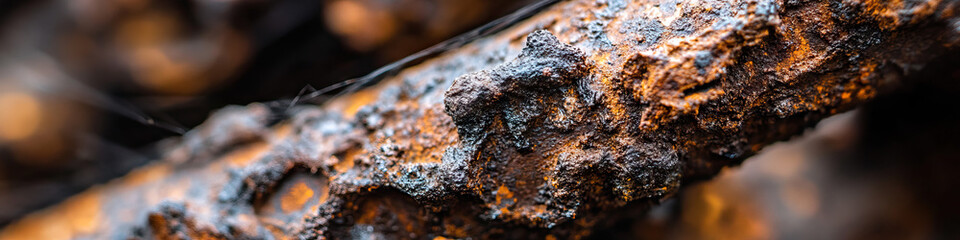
(585,113)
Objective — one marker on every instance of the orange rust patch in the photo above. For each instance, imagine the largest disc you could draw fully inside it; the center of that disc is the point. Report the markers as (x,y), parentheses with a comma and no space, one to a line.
(431,123)
(282,131)
(359,99)
(346,161)
(76,217)
(800,51)
(147,174)
(84,212)
(295,198)
(503,193)
(243,156)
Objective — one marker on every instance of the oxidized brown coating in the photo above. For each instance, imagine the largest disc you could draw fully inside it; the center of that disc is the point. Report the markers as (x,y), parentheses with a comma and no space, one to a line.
(551,128)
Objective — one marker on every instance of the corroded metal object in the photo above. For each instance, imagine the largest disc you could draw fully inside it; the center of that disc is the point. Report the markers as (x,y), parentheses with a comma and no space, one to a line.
(586,113)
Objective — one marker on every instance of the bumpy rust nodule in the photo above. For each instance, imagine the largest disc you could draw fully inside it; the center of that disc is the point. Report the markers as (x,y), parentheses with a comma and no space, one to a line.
(540,119)
(586,113)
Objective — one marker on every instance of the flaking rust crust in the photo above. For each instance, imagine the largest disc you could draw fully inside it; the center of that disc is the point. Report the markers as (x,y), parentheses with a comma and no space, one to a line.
(540,120)
(586,113)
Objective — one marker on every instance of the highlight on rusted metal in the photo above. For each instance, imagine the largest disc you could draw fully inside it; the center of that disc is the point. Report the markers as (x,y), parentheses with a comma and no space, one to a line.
(583,114)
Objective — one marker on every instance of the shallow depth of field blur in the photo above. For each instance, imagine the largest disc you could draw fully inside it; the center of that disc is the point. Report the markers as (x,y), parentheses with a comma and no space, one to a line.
(89,88)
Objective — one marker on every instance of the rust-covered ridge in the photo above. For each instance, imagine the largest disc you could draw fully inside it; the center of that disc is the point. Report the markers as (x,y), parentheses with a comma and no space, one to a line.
(586,113)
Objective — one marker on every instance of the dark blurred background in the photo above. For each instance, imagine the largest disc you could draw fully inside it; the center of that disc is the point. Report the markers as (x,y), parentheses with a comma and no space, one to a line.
(77,78)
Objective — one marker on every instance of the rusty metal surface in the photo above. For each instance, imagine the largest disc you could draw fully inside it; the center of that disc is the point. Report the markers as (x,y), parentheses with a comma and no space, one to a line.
(81,82)
(586,113)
